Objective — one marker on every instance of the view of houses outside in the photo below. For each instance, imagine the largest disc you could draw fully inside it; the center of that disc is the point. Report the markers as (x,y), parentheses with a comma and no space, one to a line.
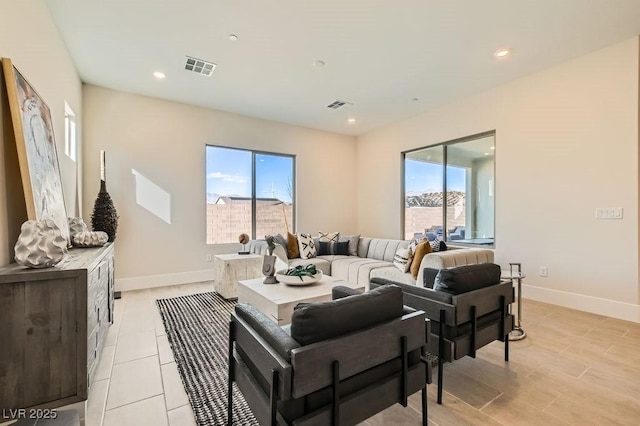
(230,173)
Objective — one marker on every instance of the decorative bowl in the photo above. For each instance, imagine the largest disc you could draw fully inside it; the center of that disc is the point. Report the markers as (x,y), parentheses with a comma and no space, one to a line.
(296,280)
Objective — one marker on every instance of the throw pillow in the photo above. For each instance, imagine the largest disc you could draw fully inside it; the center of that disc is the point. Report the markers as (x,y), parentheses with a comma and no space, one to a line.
(353,243)
(293,251)
(341,248)
(422,249)
(329,237)
(307,246)
(402,259)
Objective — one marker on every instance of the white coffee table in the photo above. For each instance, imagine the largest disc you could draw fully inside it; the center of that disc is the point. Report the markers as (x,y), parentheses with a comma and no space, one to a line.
(228,269)
(278,300)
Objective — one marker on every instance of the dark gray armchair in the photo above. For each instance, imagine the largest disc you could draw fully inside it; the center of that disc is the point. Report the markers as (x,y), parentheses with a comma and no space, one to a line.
(343,361)
(468,307)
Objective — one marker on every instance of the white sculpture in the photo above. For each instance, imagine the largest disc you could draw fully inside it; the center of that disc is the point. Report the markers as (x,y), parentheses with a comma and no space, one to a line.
(90,239)
(40,244)
(76,224)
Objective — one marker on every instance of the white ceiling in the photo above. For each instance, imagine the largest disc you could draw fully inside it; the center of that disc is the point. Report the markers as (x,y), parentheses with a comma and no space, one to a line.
(379,54)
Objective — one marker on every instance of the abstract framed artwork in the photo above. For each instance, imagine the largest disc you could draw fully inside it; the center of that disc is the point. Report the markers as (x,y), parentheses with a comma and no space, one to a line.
(37,155)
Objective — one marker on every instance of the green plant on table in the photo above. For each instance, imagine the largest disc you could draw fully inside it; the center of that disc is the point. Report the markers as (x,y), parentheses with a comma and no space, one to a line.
(302,271)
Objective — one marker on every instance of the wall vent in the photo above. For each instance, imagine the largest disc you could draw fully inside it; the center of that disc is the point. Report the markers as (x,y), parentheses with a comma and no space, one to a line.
(337,104)
(200,66)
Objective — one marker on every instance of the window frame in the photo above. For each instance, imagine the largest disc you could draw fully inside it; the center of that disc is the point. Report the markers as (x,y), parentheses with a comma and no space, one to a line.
(403,156)
(254,153)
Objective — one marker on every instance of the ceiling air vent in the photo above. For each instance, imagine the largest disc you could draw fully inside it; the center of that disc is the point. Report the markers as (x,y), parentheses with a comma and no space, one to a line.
(200,66)
(338,104)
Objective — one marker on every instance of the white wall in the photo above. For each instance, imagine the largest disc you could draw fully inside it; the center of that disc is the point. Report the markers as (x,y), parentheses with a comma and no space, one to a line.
(29,37)
(165,141)
(567,142)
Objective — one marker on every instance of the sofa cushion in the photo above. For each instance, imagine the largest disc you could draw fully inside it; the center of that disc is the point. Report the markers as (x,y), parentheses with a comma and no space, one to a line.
(353,243)
(467,278)
(279,239)
(293,251)
(384,249)
(315,322)
(458,257)
(391,273)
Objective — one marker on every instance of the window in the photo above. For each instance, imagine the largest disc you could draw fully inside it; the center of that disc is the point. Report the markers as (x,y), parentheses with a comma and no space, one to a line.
(449,191)
(70,138)
(248,192)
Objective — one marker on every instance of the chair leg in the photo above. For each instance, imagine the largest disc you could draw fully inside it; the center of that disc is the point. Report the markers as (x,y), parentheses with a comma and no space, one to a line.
(474,331)
(441,354)
(425,413)
(405,371)
(503,320)
(232,336)
(336,393)
(273,398)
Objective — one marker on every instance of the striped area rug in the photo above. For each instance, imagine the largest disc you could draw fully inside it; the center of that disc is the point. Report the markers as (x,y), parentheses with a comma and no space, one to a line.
(198,330)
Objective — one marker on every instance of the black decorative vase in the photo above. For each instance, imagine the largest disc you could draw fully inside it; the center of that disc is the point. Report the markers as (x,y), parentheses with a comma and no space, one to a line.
(104,216)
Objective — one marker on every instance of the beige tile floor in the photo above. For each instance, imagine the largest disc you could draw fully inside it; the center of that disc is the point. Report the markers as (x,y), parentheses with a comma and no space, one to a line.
(573,368)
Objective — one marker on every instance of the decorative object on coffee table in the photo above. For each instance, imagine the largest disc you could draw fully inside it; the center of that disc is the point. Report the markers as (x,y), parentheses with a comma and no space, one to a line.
(90,239)
(300,275)
(269,269)
(76,225)
(36,148)
(104,216)
(40,244)
(243,239)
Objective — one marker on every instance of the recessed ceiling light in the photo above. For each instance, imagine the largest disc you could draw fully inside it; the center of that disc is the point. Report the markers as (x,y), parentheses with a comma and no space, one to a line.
(351,120)
(319,64)
(502,53)
(414,99)
(486,153)
(233,37)
(493,147)
(159,75)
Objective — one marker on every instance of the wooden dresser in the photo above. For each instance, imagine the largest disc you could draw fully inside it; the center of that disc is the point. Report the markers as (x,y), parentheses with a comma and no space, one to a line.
(53,323)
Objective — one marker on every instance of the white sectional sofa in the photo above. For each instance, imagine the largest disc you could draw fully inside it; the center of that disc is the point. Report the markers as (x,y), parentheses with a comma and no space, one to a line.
(375,260)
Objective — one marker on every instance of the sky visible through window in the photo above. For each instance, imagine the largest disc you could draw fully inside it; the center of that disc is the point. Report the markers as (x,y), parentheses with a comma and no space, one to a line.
(421,176)
(229,173)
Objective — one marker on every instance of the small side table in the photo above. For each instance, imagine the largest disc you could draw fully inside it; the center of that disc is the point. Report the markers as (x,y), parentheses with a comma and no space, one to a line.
(515,274)
(228,269)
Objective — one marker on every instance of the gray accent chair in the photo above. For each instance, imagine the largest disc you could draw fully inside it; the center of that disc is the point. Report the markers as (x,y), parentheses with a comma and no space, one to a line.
(468,307)
(342,362)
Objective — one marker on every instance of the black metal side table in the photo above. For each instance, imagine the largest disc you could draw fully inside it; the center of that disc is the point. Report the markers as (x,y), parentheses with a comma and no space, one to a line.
(515,274)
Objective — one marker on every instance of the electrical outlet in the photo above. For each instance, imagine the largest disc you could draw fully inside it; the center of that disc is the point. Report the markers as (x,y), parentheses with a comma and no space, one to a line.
(209,257)
(543,271)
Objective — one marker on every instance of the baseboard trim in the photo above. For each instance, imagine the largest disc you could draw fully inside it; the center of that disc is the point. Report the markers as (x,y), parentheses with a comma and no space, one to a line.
(152,281)
(595,305)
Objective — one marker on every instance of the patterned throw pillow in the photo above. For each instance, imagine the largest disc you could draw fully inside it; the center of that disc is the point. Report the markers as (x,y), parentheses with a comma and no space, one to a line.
(329,237)
(437,245)
(402,259)
(414,243)
(307,246)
